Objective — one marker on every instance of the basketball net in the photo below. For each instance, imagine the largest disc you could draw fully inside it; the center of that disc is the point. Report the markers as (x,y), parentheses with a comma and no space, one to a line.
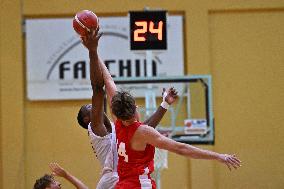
(161,156)
(161,159)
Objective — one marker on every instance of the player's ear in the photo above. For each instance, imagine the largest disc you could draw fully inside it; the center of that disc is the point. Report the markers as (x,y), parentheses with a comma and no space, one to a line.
(137,115)
(86,119)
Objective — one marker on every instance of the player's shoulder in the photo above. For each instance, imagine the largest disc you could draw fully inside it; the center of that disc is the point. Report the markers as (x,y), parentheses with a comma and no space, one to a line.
(144,129)
(145,134)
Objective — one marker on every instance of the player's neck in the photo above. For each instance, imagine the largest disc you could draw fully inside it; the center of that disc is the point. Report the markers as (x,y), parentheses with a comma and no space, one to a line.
(129,122)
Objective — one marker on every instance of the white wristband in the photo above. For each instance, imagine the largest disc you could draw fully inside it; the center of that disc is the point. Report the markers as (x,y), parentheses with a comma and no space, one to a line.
(165,105)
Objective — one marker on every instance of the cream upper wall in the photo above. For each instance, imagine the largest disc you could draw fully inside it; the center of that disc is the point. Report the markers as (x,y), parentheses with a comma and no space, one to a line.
(34,133)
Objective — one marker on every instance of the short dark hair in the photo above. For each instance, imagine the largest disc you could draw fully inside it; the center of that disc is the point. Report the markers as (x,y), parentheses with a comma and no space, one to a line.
(80,118)
(123,105)
(43,182)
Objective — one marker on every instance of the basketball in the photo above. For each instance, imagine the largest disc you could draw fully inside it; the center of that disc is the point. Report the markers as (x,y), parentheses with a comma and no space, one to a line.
(84,21)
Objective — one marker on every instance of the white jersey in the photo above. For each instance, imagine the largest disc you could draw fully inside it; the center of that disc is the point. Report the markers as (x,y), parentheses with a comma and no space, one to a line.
(106,153)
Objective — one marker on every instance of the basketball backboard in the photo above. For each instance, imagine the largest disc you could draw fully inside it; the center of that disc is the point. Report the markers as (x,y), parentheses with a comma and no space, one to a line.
(190,119)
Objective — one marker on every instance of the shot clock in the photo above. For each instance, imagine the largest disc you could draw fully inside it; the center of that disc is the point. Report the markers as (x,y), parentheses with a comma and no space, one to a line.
(148,30)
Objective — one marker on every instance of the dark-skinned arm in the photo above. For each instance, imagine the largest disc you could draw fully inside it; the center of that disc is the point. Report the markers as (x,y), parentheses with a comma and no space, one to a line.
(156,117)
(97,82)
(169,97)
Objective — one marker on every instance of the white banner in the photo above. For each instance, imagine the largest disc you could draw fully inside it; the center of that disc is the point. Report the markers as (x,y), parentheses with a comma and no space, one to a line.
(58,64)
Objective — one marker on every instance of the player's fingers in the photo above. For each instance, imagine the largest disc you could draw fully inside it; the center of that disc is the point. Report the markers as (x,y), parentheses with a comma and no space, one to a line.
(228,166)
(164,90)
(171,90)
(232,163)
(51,166)
(100,35)
(87,36)
(56,165)
(236,162)
(98,27)
(174,91)
(91,34)
(174,94)
(53,174)
(236,158)
(83,39)
(95,32)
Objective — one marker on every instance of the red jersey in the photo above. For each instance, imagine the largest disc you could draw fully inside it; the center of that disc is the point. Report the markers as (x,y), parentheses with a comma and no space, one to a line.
(134,167)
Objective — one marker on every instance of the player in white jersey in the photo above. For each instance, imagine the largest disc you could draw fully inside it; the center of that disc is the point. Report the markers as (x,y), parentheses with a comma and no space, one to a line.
(91,116)
(105,150)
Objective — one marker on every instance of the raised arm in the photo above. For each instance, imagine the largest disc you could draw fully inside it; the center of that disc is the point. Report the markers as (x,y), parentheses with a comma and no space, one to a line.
(153,137)
(59,171)
(109,85)
(97,82)
(169,97)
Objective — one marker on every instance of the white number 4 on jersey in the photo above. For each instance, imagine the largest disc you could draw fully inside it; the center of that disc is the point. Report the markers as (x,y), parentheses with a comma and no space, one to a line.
(122,151)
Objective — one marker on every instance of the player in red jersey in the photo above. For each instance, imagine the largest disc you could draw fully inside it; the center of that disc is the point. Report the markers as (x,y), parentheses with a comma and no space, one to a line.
(134,167)
(136,142)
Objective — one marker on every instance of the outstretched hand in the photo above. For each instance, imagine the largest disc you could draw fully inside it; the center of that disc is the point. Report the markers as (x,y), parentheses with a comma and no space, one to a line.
(92,39)
(171,95)
(57,170)
(230,161)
